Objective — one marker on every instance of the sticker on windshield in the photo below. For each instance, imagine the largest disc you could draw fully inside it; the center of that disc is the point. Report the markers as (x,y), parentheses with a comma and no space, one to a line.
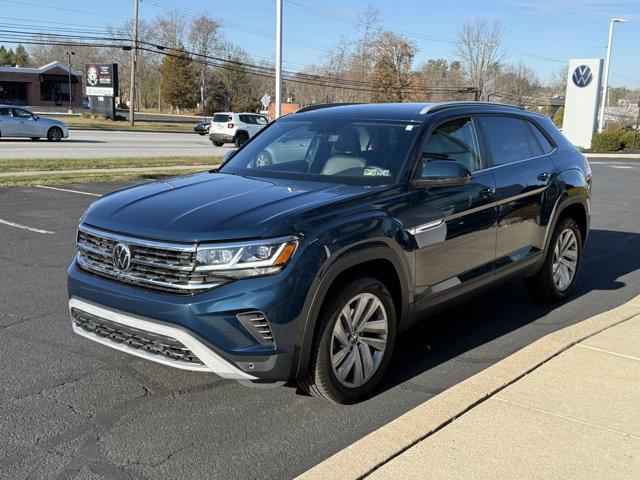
(376,172)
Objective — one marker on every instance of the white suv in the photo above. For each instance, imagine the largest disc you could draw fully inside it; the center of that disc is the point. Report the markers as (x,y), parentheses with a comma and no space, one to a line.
(237,128)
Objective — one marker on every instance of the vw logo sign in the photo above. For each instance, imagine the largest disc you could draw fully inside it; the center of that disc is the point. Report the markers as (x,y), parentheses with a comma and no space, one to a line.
(582,76)
(122,257)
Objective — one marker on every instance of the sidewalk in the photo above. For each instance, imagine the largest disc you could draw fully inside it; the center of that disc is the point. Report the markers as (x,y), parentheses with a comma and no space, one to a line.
(571,410)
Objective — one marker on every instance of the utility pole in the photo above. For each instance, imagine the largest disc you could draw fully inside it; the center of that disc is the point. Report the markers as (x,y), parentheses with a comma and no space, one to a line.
(204,111)
(69,53)
(605,89)
(278,58)
(134,58)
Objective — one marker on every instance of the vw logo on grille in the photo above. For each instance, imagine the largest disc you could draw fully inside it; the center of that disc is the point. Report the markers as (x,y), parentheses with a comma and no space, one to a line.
(122,257)
(582,76)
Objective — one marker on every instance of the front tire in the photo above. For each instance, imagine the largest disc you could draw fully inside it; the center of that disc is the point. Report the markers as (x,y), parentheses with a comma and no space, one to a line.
(54,134)
(218,144)
(557,278)
(353,342)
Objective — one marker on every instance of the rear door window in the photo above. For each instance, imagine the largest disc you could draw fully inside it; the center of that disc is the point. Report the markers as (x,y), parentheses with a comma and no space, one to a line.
(247,119)
(506,138)
(5,112)
(540,138)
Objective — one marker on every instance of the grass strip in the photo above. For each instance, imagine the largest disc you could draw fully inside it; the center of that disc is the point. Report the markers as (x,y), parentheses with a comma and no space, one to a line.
(105,176)
(140,126)
(32,164)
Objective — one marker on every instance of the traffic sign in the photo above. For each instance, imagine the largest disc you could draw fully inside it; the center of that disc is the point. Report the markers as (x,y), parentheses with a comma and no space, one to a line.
(265,100)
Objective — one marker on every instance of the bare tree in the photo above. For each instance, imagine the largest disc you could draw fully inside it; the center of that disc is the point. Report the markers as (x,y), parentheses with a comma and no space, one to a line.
(203,38)
(392,72)
(170,29)
(478,45)
(519,84)
(558,82)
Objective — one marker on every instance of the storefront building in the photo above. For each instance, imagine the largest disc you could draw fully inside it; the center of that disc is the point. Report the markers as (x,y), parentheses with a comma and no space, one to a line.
(46,86)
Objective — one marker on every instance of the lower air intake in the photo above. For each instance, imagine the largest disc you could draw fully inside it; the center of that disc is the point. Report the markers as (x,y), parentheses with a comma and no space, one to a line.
(258,326)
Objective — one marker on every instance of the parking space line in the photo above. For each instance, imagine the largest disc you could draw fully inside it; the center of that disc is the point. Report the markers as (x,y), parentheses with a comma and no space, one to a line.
(68,190)
(19,225)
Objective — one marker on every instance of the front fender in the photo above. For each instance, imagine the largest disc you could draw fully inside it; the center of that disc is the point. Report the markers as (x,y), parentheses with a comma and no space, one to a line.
(346,246)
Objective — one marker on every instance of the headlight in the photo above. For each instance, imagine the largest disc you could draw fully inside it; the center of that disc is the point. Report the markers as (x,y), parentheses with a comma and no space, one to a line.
(246,259)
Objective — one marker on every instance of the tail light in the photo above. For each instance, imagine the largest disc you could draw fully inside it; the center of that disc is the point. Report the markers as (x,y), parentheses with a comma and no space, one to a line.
(229,125)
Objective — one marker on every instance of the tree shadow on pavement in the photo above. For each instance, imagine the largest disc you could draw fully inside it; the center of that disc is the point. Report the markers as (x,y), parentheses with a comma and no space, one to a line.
(490,327)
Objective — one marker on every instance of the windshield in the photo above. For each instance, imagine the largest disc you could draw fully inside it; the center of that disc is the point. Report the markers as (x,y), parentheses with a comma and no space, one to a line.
(347,151)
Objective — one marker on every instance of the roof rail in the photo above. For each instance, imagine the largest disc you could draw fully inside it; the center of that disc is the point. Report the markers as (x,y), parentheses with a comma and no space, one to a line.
(318,106)
(436,107)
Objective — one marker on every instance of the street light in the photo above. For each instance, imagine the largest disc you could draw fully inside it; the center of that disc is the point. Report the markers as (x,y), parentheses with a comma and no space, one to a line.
(69,53)
(605,90)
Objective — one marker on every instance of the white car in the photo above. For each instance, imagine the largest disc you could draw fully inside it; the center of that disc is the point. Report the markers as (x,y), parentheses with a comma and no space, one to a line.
(237,128)
(18,122)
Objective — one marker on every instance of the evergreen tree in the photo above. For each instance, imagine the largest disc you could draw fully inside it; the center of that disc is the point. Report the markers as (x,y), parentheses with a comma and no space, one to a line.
(179,79)
(6,57)
(21,57)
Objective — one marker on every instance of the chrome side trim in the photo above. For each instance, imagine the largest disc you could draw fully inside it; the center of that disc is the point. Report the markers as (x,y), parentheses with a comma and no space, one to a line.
(212,361)
(426,226)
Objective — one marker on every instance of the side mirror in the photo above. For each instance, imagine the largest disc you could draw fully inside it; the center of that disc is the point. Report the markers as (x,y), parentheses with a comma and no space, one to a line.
(228,155)
(442,173)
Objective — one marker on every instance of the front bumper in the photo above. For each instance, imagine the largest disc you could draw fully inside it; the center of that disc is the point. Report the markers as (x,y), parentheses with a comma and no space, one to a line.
(210,361)
(211,318)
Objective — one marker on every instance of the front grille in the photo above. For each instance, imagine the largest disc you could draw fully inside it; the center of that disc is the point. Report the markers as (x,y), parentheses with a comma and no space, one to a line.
(134,338)
(155,265)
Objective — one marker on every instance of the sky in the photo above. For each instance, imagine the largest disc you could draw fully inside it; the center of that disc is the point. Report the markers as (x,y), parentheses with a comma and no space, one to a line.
(542,33)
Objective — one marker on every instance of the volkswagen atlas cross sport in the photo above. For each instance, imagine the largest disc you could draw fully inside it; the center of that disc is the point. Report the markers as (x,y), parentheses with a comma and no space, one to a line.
(332,230)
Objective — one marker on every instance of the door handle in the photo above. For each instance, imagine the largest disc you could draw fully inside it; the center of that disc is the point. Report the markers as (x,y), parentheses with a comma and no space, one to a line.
(544,176)
(487,192)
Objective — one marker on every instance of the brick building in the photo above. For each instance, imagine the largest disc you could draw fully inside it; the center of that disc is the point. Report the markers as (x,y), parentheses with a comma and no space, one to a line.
(44,86)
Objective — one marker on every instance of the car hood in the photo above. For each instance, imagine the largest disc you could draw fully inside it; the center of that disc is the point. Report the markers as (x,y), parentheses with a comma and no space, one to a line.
(213,206)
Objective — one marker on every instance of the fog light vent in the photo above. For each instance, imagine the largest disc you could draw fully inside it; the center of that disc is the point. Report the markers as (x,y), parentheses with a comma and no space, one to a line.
(258,326)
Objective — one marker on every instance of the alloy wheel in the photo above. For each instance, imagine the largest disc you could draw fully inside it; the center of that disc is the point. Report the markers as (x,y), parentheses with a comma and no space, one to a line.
(359,340)
(565,259)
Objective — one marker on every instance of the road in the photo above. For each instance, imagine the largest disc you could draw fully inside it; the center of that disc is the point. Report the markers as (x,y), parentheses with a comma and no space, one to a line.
(99,144)
(70,408)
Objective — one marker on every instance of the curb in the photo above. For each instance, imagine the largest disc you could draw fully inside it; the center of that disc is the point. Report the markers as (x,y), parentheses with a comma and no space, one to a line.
(379,447)
(612,155)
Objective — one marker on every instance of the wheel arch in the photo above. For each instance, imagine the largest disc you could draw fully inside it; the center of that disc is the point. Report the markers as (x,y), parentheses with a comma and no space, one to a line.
(377,261)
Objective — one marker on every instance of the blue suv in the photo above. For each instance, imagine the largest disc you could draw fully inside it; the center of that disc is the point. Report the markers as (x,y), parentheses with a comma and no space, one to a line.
(331,231)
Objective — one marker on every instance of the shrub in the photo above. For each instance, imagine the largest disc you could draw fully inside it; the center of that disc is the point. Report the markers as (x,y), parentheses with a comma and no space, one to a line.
(609,140)
(628,140)
(558,118)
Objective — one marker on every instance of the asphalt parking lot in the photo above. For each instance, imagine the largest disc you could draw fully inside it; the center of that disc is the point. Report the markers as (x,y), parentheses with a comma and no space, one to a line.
(70,408)
(97,143)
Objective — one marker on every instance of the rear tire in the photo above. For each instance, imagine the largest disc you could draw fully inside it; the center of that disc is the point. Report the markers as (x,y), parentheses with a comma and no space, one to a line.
(557,278)
(35,139)
(54,134)
(362,350)
(241,139)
